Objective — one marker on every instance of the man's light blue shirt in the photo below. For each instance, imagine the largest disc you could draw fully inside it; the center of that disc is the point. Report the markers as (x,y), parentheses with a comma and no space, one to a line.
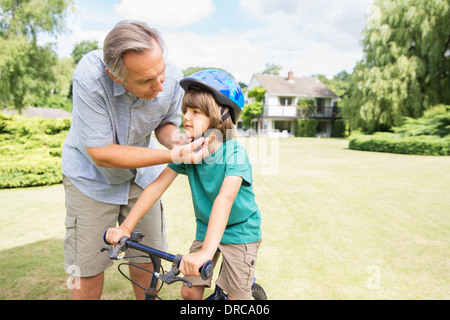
(104,112)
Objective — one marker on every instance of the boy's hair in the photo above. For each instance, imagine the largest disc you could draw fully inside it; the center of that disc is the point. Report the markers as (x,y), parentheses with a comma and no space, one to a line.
(204,101)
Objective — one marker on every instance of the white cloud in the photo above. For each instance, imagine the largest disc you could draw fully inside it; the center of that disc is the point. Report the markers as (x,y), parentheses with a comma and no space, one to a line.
(233,53)
(306,37)
(337,22)
(310,37)
(245,54)
(66,42)
(312,45)
(167,13)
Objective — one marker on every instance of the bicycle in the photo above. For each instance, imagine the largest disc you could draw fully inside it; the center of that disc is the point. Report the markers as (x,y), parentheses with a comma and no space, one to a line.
(158,273)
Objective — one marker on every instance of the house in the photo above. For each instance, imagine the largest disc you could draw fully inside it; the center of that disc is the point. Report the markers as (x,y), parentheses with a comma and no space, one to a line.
(284,103)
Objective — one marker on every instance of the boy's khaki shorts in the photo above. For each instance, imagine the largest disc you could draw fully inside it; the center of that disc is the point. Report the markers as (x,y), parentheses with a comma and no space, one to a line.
(86,222)
(238,268)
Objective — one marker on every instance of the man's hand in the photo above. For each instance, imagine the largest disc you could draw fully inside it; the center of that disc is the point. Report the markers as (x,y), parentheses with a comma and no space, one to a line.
(193,152)
(179,139)
(113,235)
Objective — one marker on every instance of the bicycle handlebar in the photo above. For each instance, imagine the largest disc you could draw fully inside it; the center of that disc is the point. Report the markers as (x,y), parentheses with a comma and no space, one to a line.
(133,242)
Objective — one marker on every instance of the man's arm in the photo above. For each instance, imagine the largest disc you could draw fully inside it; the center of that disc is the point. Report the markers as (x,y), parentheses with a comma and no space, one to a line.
(130,157)
(169,136)
(127,157)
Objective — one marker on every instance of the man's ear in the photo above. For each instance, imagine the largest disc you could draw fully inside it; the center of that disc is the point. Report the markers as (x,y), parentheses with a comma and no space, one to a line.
(112,77)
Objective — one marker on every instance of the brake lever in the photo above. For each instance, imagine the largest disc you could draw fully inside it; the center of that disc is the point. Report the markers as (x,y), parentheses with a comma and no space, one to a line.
(171,276)
(115,253)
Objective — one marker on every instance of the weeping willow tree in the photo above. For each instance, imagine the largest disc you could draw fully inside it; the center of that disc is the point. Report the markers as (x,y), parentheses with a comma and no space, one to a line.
(406,64)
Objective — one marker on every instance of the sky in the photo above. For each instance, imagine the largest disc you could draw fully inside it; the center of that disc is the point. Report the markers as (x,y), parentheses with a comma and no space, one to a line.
(240,36)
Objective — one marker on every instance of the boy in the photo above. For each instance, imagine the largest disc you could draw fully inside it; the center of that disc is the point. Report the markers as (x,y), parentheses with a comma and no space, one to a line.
(227,215)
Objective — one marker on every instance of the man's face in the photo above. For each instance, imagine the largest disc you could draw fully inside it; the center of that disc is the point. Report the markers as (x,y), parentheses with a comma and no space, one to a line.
(146,73)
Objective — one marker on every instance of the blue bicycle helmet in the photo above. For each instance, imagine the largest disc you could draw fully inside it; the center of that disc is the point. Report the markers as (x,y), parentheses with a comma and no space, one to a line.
(222,86)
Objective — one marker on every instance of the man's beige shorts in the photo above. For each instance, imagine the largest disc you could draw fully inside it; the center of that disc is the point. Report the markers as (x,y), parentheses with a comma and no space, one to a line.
(86,222)
(238,268)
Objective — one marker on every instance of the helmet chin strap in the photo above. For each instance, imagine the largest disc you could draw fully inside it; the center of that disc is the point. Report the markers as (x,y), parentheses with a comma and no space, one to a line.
(225,115)
(204,135)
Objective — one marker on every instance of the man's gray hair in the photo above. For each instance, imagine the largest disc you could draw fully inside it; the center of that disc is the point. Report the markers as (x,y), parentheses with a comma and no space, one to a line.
(128,36)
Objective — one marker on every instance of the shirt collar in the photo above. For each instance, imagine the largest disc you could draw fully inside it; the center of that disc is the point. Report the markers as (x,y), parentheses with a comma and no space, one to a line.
(119,89)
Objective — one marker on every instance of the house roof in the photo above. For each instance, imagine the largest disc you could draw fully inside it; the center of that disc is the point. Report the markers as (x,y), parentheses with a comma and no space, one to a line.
(311,87)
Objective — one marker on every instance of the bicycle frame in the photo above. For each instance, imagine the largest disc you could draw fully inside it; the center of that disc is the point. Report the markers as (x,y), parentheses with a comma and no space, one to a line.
(151,293)
(155,255)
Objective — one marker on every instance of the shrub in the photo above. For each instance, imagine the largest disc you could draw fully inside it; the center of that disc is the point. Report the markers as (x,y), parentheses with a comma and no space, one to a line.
(339,129)
(429,135)
(435,122)
(394,143)
(30,171)
(30,150)
(306,128)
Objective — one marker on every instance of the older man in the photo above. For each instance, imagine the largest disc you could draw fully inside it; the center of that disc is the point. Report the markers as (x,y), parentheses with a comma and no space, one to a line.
(121,95)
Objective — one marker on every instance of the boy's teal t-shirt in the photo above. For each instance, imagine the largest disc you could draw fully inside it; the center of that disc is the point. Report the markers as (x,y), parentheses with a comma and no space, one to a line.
(206,178)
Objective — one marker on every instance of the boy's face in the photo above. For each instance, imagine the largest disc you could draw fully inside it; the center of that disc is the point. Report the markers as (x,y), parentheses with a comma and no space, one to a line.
(195,122)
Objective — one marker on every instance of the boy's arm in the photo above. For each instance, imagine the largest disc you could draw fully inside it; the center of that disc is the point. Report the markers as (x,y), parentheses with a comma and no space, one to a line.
(190,264)
(149,196)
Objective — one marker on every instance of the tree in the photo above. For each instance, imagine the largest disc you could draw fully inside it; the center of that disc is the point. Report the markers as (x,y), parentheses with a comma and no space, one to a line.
(339,84)
(254,109)
(258,93)
(83,47)
(272,69)
(27,68)
(249,112)
(406,64)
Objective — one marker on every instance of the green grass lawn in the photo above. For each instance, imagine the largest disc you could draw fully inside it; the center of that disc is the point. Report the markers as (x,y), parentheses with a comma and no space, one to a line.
(337,224)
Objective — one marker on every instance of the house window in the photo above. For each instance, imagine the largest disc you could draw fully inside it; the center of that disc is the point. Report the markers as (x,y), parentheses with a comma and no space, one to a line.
(286,101)
(320,102)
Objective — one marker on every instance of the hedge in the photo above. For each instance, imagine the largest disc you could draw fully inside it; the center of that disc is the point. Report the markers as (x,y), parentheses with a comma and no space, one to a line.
(395,143)
(30,150)
(339,129)
(428,135)
(306,128)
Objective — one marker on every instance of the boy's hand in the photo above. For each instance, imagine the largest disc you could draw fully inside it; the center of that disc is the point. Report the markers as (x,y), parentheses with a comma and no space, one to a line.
(190,264)
(113,235)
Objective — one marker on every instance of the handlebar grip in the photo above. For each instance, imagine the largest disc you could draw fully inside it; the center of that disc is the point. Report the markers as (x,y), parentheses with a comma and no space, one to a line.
(207,269)
(120,241)
(114,253)
(104,238)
